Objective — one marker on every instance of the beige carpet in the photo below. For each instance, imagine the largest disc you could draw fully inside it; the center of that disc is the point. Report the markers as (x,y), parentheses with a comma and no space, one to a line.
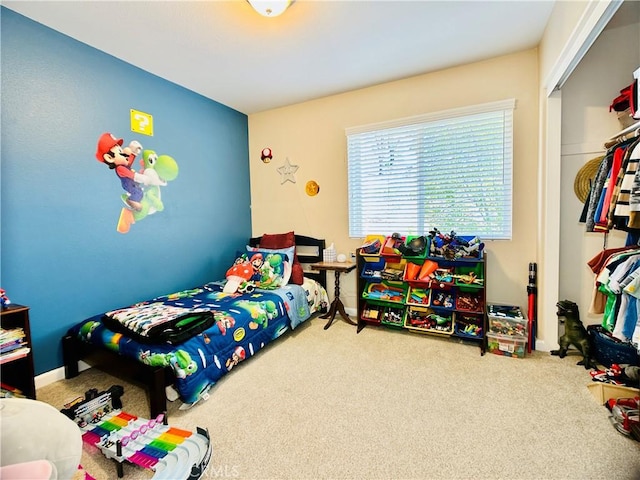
(387,404)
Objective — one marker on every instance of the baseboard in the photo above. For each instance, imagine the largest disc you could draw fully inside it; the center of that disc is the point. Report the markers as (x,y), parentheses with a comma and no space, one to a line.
(542,347)
(55,375)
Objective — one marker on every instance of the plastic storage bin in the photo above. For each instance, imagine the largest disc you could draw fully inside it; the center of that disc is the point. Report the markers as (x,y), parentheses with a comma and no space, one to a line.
(507,320)
(505,345)
(386,292)
(418,296)
(470,300)
(424,319)
(372,271)
(470,276)
(393,316)
(416,256)
(608,350)
(468,325)
(371,313)
(371,247)
(393,270)
(443,299)
(390,249)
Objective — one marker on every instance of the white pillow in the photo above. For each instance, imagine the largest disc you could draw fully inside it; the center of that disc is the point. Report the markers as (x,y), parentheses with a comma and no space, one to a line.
(33,430)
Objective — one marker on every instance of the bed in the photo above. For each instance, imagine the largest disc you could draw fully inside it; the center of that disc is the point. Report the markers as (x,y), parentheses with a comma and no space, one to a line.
(190,339)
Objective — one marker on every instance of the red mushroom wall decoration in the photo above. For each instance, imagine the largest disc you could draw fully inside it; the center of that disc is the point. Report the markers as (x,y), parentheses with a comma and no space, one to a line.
(266,155)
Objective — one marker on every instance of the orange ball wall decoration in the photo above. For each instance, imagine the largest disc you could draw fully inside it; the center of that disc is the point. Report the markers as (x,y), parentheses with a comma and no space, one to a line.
(312,188)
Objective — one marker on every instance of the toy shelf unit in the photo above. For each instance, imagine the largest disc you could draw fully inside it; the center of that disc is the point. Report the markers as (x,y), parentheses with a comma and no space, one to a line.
(16,356)
(423,293)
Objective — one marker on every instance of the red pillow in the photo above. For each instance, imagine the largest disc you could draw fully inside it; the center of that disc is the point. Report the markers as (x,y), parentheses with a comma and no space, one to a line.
(285,240)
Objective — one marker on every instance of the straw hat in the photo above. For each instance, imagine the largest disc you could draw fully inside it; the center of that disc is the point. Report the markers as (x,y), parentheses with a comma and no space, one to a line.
(585,177)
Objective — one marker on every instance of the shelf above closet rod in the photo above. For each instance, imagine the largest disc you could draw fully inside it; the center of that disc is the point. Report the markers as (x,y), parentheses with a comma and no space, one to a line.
(629,129)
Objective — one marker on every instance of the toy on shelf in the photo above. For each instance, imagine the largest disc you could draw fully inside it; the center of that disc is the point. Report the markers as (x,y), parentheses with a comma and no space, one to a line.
(419,296)
(426,319)
(469,301)
(4,300)
(414,247)
(468,325)
(391,247)
(452,246)
(381,291)
(171,453)
(442,299)
(393,316)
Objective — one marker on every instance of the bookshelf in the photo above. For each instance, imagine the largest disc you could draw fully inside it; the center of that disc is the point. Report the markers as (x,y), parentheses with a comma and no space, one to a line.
(16,355)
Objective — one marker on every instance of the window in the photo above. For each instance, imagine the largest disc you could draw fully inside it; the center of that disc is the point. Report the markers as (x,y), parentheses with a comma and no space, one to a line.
(451,170)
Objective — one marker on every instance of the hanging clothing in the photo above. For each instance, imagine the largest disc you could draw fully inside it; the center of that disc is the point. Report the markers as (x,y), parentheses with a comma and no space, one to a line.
(627,319)
(596,189)
(633,290)
(617,291)
(602,221)
(631,167)
(634,200)
(613,186)
(603,300)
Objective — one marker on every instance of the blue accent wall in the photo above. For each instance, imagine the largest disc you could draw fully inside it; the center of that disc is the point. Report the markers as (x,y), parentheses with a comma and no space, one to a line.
(60,252)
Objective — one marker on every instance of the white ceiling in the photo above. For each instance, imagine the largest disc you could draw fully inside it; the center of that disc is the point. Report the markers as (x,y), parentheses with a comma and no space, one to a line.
(227,52)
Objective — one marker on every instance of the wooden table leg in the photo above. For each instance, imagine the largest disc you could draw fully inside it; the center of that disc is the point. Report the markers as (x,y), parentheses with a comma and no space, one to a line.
(337,306)
(331,314)
(343,313)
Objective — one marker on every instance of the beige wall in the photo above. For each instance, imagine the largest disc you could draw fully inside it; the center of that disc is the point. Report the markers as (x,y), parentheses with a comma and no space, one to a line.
(311,135)
(562,22)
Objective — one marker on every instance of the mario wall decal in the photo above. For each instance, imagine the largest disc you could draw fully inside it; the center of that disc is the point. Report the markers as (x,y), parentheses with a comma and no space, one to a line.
(141,189)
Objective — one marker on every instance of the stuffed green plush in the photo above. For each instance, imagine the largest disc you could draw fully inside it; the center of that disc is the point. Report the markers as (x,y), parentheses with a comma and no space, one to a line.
(31,430)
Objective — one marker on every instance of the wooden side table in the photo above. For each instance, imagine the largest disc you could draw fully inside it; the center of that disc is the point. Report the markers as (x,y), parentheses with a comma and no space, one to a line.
(336,305)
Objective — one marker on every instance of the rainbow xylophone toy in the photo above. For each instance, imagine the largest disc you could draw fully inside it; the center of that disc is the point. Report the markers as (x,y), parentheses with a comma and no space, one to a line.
(170,452)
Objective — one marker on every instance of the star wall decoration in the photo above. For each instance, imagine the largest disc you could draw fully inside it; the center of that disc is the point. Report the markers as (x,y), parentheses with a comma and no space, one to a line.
(286,172)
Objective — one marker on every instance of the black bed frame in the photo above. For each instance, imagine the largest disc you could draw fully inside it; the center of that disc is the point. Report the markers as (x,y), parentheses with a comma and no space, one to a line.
(155,379)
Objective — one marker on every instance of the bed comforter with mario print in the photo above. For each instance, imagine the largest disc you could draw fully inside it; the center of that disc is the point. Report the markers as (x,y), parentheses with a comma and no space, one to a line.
(242,325)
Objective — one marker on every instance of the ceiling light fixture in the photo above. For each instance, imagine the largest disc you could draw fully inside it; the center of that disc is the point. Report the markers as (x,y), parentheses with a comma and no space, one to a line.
(270,8)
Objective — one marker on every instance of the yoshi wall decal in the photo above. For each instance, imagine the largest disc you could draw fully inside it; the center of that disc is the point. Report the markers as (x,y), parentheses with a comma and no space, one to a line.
(142,196)
(287,171)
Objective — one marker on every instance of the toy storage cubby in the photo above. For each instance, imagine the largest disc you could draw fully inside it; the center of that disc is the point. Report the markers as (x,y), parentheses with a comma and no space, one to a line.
(435,295)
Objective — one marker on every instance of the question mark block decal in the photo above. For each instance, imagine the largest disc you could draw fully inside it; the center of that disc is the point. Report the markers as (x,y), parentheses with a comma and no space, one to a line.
(141,123)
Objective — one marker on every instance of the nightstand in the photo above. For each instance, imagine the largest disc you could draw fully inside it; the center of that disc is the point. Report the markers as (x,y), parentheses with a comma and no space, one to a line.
(336,305)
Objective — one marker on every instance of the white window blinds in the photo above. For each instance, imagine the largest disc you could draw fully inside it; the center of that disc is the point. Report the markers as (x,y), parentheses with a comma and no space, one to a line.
(451,170)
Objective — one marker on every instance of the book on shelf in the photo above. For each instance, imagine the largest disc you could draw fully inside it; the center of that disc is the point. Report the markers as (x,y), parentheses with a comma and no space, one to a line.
(14,354)
(11,334)
(8,347)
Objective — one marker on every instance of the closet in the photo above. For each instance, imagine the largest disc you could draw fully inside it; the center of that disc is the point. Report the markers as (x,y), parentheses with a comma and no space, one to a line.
(587,126)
